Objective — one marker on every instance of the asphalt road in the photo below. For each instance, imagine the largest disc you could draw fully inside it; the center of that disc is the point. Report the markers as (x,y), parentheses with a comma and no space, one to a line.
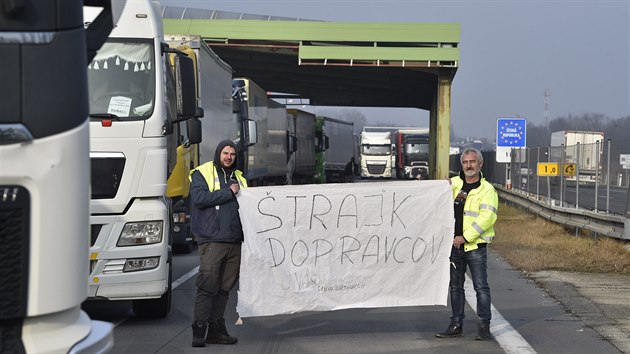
(526,319)
(613,200)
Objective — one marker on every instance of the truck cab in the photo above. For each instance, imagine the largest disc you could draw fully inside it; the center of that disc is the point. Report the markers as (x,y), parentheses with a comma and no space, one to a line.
(412,153)
(376,155)
(44,184)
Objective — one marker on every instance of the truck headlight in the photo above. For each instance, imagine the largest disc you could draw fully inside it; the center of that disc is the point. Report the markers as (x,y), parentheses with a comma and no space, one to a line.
(140,233)
(136,264)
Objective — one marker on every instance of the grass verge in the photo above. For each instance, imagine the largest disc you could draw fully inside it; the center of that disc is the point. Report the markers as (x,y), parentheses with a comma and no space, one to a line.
(532,244)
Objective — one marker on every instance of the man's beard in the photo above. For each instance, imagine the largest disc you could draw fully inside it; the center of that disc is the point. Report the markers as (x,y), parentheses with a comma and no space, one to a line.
(470,173)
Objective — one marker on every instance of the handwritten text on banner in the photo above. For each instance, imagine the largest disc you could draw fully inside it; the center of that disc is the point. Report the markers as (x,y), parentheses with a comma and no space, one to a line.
(337,246)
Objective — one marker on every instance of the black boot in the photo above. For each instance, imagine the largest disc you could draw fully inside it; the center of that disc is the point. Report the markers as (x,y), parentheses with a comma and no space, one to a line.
(453,330)
(199,334)
(217,333)
(483,331)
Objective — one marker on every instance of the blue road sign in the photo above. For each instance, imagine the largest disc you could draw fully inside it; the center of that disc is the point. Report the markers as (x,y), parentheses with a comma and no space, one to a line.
(511,132)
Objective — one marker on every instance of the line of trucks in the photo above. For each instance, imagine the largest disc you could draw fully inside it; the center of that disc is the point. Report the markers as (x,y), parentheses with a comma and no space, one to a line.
(142,150)
(389,152)
(122,137)
(94,175)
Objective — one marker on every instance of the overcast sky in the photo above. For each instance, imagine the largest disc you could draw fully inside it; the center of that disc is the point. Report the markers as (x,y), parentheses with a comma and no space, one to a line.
(511,51)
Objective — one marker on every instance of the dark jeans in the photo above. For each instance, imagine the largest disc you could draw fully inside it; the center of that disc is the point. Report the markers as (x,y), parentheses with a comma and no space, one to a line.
(476,260)
(219,266)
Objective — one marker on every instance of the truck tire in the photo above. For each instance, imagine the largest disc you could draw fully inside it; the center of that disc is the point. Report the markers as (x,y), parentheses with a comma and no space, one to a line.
(155,308)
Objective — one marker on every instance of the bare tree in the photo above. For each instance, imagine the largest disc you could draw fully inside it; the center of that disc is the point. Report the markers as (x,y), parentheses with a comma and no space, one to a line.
(349,115)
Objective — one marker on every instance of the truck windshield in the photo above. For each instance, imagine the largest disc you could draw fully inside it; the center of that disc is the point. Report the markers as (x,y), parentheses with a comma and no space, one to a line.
(376,150)
(121,80)
(417,148)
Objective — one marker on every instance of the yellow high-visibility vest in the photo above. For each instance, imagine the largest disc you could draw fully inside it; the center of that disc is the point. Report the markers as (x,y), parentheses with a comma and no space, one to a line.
(480,212)
(211,175)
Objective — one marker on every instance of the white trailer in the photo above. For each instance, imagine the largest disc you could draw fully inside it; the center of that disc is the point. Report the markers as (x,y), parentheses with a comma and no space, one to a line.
(588,141)
(587,155)
(376,154)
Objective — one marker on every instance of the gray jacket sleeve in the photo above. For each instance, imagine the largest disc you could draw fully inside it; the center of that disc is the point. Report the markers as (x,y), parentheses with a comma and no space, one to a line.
(202,198)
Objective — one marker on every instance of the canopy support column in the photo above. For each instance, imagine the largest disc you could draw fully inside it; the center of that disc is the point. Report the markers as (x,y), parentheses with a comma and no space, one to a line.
(440,126)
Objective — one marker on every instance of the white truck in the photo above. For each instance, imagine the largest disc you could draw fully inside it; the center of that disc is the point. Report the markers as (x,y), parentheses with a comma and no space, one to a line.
(376,154)
(44,183)
(140,94)
(588,157)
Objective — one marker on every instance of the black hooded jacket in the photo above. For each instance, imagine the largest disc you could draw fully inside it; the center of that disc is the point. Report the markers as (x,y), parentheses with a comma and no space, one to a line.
(214,214)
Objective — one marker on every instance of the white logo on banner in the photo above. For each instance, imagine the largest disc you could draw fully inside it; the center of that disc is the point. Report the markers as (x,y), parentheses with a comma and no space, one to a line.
(337,246)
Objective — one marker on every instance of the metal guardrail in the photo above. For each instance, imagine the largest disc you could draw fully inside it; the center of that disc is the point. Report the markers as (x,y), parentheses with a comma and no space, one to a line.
(605,224)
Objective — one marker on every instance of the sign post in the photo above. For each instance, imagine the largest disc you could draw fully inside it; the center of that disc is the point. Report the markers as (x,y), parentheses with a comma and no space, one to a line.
(511,133)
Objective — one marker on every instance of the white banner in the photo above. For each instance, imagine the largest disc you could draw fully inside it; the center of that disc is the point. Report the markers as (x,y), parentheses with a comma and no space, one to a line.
(336,246)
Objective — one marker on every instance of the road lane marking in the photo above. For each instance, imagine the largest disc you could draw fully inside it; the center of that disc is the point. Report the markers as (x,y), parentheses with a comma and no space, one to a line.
(185,277)
(508,338)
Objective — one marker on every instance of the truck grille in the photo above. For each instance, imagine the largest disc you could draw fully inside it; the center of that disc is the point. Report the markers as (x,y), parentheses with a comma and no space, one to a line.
(376,169)
(14,251)
(106,175)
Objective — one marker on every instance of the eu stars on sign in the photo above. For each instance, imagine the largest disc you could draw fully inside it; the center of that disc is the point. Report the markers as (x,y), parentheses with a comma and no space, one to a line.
(511,132)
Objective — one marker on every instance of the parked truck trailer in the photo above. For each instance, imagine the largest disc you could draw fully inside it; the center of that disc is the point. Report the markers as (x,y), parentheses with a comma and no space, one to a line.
(213,79)
(587,155)
(254,160)
(339,148)
(303,157)
(280,145)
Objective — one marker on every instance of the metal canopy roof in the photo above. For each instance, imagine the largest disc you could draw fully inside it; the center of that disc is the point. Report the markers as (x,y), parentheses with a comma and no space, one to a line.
(333,63)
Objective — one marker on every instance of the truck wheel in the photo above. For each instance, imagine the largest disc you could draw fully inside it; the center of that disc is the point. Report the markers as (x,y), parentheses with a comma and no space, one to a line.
(155,308)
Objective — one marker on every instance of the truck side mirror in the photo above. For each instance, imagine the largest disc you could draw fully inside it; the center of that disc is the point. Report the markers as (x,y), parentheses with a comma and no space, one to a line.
(185,81)
(291,143)
(193,128)
(251,133)
(326,142)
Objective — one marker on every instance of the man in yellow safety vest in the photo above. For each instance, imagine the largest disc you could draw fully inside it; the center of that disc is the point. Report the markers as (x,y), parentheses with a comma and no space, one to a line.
(475,205)
(217,227)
